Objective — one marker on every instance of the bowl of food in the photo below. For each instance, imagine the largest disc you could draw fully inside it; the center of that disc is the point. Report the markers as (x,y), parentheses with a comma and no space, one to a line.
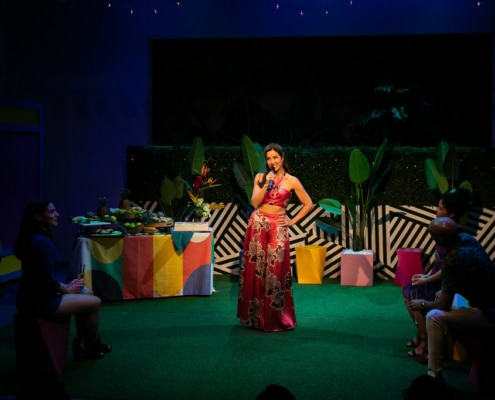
(134,227)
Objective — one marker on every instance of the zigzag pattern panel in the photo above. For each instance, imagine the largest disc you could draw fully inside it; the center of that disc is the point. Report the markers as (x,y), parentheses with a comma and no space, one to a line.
(408,227)
(229,227)
(390,228)
(481,225)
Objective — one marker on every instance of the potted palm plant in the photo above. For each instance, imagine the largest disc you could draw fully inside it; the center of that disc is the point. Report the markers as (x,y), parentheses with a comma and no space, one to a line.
(368,187)
(368,183)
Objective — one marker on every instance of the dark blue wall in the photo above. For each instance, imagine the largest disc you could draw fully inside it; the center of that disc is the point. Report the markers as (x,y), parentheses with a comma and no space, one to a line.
(89,66)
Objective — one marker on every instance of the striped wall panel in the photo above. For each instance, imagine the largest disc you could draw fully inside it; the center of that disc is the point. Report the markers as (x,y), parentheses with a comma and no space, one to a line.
(390,229)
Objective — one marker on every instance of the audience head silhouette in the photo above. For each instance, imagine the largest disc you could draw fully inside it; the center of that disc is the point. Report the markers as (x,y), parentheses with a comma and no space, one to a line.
(275,392)
(428,387)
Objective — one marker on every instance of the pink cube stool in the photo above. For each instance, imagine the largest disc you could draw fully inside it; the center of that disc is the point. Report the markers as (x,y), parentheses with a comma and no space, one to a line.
(409,264)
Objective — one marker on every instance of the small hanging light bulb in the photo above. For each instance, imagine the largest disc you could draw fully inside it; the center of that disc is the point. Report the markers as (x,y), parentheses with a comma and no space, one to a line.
(277,6)
(131,11)
(301,13)
(326,11)
(109,4)
(155,11)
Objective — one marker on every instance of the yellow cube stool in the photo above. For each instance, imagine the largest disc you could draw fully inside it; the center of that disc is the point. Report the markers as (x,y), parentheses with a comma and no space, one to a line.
(310,261)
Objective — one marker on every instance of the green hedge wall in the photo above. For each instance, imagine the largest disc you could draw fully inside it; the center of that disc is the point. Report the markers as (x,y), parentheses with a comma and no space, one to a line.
(323,172)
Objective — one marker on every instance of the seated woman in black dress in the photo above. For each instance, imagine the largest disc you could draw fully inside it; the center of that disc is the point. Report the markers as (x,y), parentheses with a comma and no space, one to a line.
(41,295)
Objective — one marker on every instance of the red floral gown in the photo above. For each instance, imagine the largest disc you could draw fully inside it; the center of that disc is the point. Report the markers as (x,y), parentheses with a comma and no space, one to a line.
(265,300)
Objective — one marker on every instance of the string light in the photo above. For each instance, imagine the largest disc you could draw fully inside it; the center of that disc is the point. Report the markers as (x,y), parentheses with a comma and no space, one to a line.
(325,11)
(129,5)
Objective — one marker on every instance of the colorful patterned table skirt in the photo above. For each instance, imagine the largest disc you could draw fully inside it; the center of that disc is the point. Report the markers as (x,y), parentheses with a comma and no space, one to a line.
(147,266)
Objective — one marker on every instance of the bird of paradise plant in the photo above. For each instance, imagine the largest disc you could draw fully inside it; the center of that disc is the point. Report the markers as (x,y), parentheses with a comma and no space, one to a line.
(198,208)
(173,200)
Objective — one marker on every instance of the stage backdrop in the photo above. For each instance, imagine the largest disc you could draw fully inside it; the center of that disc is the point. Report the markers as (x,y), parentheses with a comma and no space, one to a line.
(393,228)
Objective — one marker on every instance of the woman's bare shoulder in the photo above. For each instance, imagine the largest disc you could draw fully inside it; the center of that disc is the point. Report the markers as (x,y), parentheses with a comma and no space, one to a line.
(292,178)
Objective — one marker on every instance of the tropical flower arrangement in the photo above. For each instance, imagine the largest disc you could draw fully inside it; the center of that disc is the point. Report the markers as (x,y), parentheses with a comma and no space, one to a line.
(198,208)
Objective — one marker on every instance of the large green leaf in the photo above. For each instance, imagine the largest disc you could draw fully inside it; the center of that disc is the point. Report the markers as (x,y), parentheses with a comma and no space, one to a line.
(441,152)
(249,190)
(378,181)
(351,208)
(381,153)
(434,179)
(359,167)
(196,155)
(379,172)
(466,185)
(451,166)
(251,156)
(329,225)
(240,174)
(331,205)
(168,191)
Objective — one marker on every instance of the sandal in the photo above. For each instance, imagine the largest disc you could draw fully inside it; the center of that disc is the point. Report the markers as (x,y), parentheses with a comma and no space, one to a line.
(413,343)
(413,354)
(420,357)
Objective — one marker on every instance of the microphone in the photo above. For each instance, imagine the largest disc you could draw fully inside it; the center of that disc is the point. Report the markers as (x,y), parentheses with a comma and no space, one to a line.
(270,184)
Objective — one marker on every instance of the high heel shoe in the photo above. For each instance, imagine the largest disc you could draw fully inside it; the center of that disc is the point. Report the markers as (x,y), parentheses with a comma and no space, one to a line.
(86,354)
(104,348)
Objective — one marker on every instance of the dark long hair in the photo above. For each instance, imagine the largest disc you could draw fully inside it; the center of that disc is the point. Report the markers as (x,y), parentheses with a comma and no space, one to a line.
(30,226)
(275,147)
(457,201)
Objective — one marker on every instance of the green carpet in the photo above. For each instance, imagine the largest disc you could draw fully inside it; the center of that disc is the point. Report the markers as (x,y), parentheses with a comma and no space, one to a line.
(349,344)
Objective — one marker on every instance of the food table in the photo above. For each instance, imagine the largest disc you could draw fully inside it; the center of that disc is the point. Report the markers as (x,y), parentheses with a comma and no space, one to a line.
(121,267)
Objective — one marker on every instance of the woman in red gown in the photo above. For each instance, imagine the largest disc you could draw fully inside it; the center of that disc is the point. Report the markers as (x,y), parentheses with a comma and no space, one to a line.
(265,300)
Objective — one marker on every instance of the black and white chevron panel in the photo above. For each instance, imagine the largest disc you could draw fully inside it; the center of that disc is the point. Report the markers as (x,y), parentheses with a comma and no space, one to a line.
(390,228)
(229,227)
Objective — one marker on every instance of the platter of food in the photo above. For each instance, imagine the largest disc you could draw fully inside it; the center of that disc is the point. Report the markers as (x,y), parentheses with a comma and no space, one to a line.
(94,223)
(112,234)
(159,224)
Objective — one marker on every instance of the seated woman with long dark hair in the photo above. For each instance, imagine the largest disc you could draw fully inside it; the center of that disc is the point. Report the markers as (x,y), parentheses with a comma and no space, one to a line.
(40,295)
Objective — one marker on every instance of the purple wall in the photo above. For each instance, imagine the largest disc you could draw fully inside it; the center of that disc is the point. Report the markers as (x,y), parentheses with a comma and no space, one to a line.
(89,67)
